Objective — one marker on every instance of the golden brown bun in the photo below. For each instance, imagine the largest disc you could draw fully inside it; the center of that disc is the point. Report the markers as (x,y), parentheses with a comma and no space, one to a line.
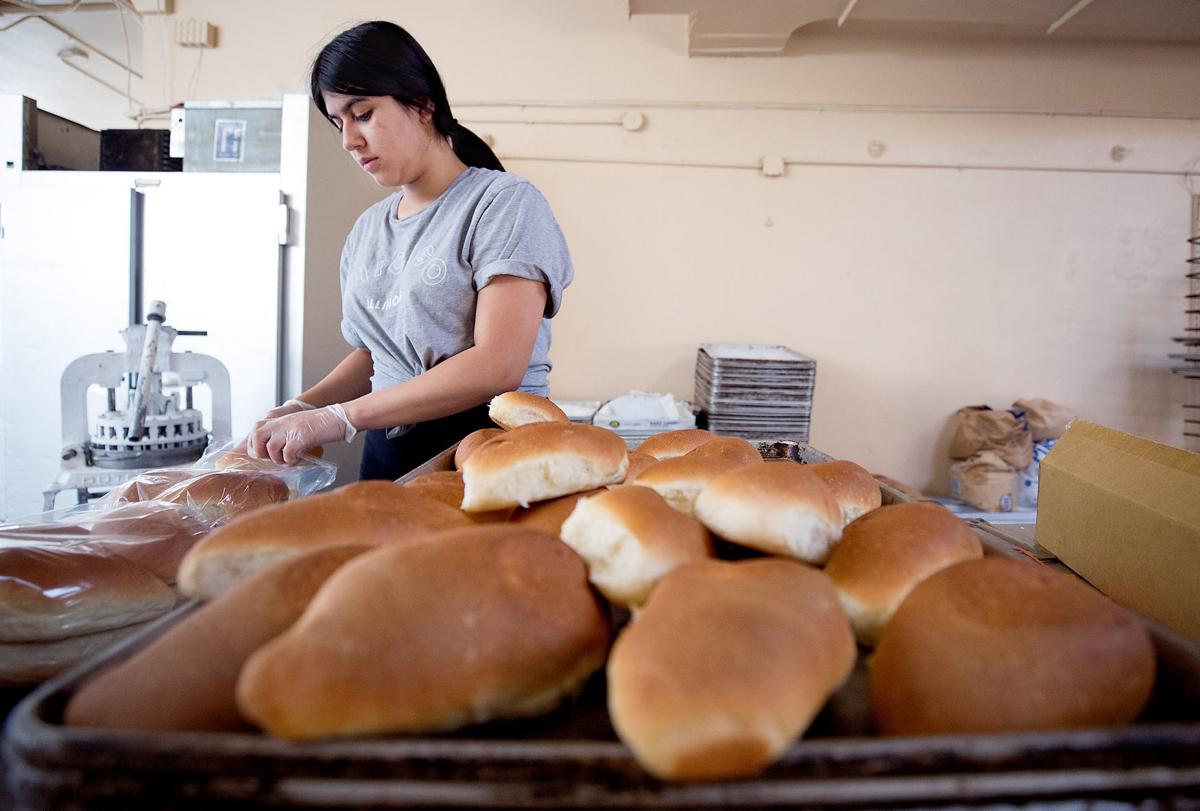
(147,486)
(542,461)
(364,513)
(51,593)
(38,533)
(679,479)
(221,495)
(629,537)
(996,645)
(24,663)
(884,554)
(516,408)
(726,665)
(240,459)
(151,534)
(480,623)
(853,487)
(185,679)
(470,442)
(637,463)
(446,486)
(670,444)
(548,516)
(778,507)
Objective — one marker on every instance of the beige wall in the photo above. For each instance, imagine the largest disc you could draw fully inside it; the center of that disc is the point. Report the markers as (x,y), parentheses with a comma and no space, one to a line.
(917,289)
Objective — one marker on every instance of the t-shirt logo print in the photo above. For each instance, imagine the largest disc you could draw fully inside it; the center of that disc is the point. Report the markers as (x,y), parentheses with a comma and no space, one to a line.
(433,269)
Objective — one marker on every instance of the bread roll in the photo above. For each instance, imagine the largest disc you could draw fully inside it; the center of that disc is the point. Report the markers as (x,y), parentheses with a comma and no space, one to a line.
(997,644)
(480,623)
(630,537)
(446,486)
(729,448)
(49,593)
(853,488)
(364,513)
(726,665)
(777,507)
(240,459)
(185,679)
(25,663)
(516,408)
(542,461)
(680,479)
(221,495)
(470,442)
(884,554)
(147,486)
(151,534)
(670,444)
(637,463)
(548,516)
(25,534)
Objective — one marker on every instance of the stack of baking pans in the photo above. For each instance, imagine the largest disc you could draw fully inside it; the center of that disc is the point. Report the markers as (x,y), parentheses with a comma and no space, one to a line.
(755,391)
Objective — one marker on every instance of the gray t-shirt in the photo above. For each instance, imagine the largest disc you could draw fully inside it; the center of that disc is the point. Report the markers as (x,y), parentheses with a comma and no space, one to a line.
(409,286)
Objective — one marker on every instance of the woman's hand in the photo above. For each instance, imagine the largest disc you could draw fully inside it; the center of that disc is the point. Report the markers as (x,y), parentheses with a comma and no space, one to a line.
(290,407)
(284,439)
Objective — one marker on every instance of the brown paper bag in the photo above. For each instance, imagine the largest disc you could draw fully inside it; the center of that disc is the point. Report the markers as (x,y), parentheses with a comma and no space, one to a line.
(982,429)
(1047,420)
(986,481)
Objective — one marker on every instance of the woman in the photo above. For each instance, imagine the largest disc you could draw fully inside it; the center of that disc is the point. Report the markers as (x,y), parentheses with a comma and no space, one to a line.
(448,284)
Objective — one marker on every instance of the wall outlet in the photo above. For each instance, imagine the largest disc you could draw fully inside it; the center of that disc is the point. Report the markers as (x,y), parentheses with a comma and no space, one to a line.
(193,33)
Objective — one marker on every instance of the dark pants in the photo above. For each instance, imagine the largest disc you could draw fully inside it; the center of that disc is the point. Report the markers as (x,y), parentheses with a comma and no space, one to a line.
(385,458)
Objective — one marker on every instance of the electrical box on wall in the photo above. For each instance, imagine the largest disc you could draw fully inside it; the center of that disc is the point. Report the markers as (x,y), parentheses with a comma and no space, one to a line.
(193,33)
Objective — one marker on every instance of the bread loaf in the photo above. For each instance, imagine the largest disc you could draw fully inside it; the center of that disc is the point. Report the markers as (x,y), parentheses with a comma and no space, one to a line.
(153,535)
(670,444)
(726,665)
(542,461)
(884,554)
(516,408)
(147,486)
(185,679)
(999,644)
(220,495)
(25,663)
(446,486)
(480,623)
(637,463)
(680,479)
(470,442)
(240,459)
(548,516)
(364,513)
(853,487)
(630,538)
(49,593)
(777,507)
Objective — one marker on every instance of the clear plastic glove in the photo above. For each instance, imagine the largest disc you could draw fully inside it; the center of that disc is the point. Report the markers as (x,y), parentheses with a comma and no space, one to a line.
(285,438)
(292,406)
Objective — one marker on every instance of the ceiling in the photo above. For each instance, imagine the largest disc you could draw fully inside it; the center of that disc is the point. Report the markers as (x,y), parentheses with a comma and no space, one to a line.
(91,40)
(765,27)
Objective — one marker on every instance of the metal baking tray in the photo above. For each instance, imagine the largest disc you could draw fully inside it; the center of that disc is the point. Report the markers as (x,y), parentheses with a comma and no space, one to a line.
(572,758)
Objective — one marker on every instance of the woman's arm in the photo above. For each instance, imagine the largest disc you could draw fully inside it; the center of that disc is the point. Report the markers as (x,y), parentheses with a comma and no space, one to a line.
(349,379)
(507,317)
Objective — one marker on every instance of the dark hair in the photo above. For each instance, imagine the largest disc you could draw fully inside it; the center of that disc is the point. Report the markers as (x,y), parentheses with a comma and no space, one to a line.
(380,58)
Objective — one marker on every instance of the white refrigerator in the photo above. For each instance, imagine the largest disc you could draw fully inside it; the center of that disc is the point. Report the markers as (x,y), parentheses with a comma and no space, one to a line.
(250,258)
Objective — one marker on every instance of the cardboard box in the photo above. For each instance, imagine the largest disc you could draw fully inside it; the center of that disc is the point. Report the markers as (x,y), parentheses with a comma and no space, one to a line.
(1124,513)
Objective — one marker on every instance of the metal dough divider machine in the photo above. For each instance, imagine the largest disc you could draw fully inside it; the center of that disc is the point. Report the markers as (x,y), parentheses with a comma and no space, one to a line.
(156,428)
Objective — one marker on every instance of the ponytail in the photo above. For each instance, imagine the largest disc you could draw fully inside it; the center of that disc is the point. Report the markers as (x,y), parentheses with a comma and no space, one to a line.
(380,58)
